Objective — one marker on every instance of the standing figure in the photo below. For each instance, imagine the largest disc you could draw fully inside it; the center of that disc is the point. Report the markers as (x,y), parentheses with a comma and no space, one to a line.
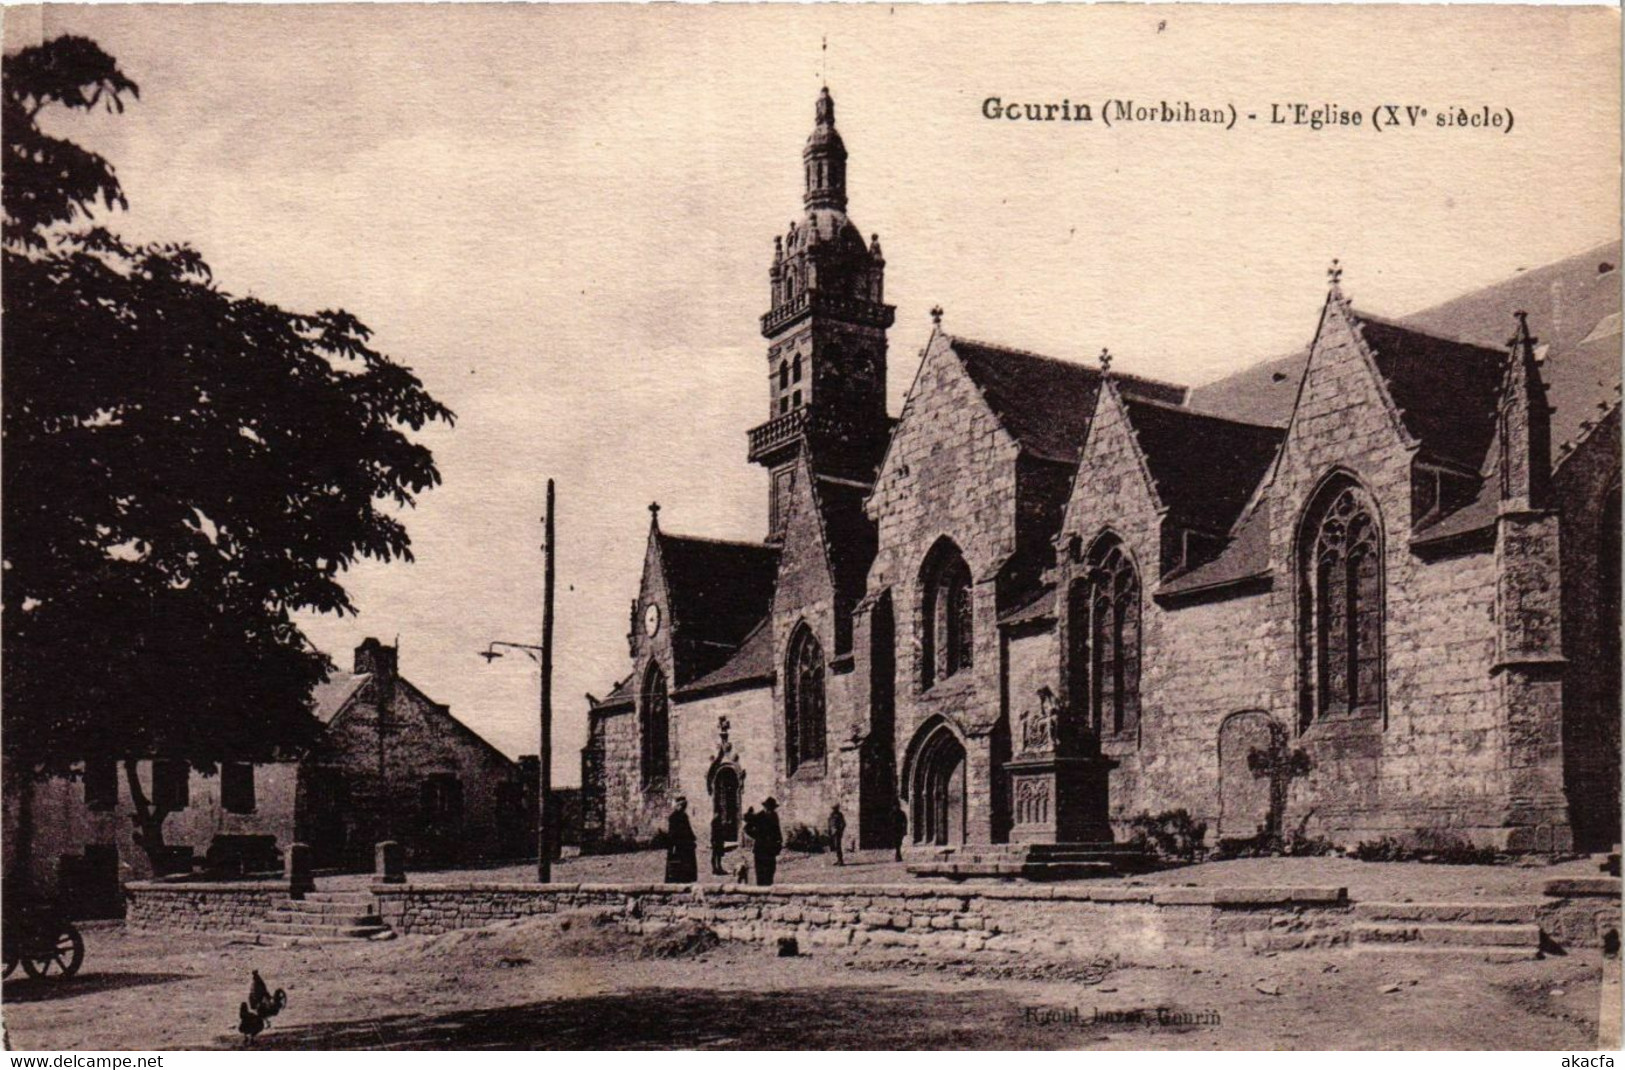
(681,866)
(837,833)
(899,829)
(719,843)
(768,840)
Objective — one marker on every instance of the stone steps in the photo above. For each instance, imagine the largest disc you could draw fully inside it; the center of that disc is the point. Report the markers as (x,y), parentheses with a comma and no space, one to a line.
(324,916)
(1482,912)
(355,932)
(1033,871)
(1500,940)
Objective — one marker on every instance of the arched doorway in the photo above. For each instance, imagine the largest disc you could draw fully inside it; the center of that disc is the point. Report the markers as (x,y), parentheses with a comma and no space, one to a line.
(725,800)
(938,790)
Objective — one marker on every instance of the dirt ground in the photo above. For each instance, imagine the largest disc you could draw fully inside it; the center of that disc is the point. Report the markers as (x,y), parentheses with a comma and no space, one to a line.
(1364,880)
(535,985)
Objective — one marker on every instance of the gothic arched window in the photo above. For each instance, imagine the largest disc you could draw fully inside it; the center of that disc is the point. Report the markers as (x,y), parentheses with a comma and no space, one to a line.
(1340,615)
(784,374)
(654,717)
(948,627)
(1104,640)
(804,700)
(795,370)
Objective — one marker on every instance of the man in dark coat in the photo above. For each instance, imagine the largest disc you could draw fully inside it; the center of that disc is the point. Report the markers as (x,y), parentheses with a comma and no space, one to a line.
(768,842)
(837,834)
(899,829)
(681,866)
(719,843)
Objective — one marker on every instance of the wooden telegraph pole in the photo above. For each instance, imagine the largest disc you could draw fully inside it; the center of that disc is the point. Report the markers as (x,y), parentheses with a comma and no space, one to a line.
(544,792)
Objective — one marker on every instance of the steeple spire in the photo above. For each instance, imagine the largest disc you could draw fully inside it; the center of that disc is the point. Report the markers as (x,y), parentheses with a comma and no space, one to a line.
(824,158)
(1524,424)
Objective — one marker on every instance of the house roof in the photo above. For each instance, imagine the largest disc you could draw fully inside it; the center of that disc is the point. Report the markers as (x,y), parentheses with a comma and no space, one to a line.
(717,592)
(1574,309)
(1045,403)
(331,697)
(752,663)
(1205,467)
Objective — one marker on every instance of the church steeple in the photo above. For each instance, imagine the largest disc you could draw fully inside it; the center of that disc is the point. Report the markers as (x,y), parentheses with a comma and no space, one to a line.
(826,328)
(824,158)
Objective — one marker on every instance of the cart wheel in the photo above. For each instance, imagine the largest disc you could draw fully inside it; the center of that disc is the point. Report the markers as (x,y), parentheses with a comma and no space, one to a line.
(64,958)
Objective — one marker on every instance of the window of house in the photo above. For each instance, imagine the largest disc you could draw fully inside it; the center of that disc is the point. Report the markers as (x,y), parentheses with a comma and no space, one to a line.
(441,799)
(795,400)
(1340,621)
(101,785)
(784,405)
(947,616)
(654,722)
(795,374)
(171,785)
(804,700)
(1104,640)
(784,374)
(237,787)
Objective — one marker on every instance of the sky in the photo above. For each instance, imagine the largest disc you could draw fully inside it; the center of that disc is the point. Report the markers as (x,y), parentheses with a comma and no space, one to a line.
(562,217)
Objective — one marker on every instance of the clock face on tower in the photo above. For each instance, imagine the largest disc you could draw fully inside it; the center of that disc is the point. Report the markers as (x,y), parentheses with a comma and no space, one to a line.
(651,620)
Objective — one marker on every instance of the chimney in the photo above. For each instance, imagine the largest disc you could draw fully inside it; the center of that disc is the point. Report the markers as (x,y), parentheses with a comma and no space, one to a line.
(377,659)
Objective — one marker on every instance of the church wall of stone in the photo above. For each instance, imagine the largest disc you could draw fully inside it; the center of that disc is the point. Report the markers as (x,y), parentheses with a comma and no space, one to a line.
(805,595)
(950,472)
(1582,486)
(1435,758)
(750,715)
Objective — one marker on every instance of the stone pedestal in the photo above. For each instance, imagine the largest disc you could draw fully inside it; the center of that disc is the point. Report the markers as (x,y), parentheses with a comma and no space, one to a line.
(389,862)
(298,870)
(1060,799)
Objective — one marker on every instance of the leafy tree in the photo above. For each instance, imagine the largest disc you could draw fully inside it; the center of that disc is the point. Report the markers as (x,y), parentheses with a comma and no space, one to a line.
(182,471)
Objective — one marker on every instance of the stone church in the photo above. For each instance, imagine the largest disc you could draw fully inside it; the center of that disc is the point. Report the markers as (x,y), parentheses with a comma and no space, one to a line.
(1371,588)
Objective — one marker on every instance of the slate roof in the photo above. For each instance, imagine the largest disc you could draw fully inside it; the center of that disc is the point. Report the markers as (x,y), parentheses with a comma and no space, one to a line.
(1246,557)
(1574,310)
(331,697)
(752,663)
(1045,403)
(1445,390)
(717,592)
(1205,467)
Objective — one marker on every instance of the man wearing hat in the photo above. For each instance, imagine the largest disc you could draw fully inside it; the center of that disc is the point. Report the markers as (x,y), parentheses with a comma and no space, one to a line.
(680,863)
(768,841)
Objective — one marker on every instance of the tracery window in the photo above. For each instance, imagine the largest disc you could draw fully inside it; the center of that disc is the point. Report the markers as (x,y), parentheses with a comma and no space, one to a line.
(1104,640)
(949,629)
(804,700)
(1340,614)
(655,727)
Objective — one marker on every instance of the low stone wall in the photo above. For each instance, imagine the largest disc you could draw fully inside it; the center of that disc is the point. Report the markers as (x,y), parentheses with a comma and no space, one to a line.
(202,906)
(1079,922)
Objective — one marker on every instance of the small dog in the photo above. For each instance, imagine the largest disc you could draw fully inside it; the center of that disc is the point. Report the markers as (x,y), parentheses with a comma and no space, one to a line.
(744,873)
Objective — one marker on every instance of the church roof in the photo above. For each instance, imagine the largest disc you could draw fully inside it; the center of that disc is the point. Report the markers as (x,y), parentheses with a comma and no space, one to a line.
(717,592)
(752,663)
(1246,557)
(1574,309)
(1205,467)
(1445,390)
(1045,403)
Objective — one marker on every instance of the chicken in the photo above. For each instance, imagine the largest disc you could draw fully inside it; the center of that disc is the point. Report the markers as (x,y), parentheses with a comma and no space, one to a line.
(262,1006)
(249,1024)
(262,1002)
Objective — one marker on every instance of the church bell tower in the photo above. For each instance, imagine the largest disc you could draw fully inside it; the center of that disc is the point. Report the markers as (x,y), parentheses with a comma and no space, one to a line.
(826,331)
